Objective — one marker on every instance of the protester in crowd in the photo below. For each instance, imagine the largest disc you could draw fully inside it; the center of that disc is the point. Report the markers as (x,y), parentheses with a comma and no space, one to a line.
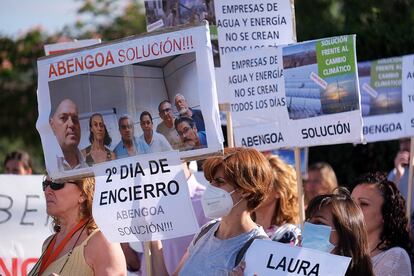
(66,127)
(190,137)
(348,235)
(279,213)
(166,254)
(166,127)
(239,182)
(78,247)
(391,247)
(152,141)
(321,179)
(17,162)
(99,138)
(129,144)
(185,111)
(399,175)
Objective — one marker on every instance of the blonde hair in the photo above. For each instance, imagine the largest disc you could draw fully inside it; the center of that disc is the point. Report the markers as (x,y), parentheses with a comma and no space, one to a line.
(245,169)
(87,187)
(285,184)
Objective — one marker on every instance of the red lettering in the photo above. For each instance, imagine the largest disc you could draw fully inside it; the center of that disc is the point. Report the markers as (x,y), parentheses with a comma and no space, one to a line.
(61,68)
(26,263)
(79,64)
(99,59)
(121,54)
(70,64)
(52,71)
(109,58)
(89,62)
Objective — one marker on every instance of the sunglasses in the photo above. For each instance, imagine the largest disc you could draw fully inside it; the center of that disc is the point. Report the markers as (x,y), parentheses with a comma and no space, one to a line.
(54,185)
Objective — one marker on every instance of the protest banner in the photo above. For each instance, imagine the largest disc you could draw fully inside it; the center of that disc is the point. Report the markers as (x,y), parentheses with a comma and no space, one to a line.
(387,98)
(273,258)
(123,79)
(297,95)
(143,198)
(234,26)
(56,48)
(24,224)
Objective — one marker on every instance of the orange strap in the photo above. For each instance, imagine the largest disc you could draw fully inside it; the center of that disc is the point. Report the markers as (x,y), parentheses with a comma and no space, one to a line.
(50,255)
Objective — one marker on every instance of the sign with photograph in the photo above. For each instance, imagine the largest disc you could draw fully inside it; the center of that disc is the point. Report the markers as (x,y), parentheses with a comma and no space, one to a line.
(140,95)
(143,198)
(387,98)
(266,257)
(234,26)
(298,95)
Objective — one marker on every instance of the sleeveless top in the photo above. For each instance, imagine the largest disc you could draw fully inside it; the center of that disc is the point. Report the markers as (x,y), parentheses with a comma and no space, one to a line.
(392,262)
(88,158)
(76,263)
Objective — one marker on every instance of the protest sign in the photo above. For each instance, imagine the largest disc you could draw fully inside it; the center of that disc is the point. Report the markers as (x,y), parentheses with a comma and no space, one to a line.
(297,95)
(56,48)
(387,98)
(122,80)
(234,26)
(143,198)
(274,258)
(24,224)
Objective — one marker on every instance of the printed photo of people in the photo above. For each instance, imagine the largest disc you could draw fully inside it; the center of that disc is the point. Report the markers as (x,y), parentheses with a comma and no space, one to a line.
(307,93)
(147,107)
(381,86)
(169,13)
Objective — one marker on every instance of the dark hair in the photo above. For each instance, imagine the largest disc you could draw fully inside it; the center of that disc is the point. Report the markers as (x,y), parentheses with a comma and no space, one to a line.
(19,155)
(395,228)
(188,120)
(107,138)
(145,113)
(161,103)
(348,221)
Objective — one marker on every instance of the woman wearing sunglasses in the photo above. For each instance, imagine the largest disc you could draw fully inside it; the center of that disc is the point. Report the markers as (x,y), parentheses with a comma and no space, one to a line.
(78,247)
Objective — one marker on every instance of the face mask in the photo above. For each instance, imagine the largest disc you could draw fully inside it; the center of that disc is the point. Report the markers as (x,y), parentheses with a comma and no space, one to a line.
(216,202)
(316,236)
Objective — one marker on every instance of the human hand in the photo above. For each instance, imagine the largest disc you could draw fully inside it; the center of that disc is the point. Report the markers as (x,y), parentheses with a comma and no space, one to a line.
(239,269)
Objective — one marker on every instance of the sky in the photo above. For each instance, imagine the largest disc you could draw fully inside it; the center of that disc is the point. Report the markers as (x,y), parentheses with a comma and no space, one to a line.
(18,16)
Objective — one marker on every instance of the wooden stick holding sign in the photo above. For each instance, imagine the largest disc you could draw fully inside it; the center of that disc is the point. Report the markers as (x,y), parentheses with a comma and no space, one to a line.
(410,180)
(230,134)
(147,254)
(300,186)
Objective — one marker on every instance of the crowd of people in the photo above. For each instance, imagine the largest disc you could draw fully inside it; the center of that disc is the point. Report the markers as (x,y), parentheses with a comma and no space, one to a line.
(184,132)
(250,196)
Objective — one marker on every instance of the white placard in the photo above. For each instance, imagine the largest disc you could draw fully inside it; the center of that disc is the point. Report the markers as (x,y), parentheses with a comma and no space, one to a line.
(126,77)
(143,198)
(274,258)
(24,224)
(387,97)
(60,47)
(298,95)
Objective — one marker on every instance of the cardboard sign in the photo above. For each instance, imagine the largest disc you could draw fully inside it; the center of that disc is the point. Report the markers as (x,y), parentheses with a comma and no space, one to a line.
(274,258)
(143,198)
(387,98)
(297,95)
(115,84)
(24,224)
(57,48)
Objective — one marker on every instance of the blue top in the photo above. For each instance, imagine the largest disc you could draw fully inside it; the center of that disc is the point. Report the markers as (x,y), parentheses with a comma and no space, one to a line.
(203,139)
(121,151)
(213,256)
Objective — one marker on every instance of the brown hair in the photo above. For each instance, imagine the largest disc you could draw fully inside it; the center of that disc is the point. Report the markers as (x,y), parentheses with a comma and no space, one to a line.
(348,221)
(244,168)
(329,181)
(284,183)
(87,187)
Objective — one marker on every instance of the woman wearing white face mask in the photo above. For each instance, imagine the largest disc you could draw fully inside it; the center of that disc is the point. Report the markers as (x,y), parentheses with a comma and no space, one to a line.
(239,182)
(339,219)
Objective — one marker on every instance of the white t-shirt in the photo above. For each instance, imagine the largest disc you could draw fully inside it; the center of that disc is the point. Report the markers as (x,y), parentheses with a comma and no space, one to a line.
(392,262)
